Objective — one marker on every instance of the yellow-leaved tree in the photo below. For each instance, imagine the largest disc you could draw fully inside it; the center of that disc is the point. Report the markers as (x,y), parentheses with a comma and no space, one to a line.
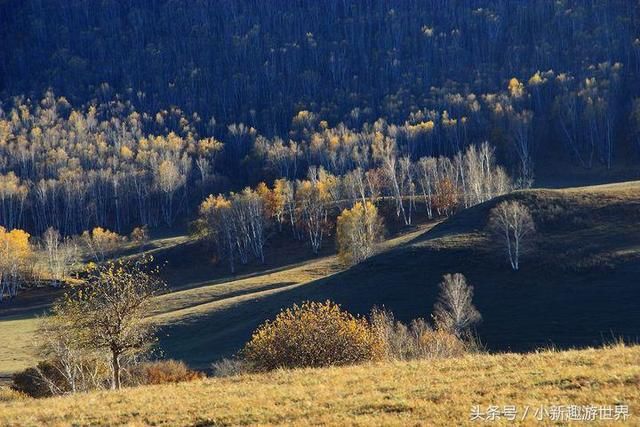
(15,253)
(358,231)
(312,335)
(314,198)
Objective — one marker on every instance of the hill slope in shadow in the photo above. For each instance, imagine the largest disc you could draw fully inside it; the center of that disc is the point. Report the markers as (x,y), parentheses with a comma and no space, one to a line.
(579,286)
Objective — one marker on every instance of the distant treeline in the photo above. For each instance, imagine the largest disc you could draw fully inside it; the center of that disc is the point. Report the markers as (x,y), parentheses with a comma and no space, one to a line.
(260,62)
(125,113)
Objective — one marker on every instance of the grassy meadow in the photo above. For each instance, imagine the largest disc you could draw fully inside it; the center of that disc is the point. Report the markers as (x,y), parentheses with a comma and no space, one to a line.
(188,303)
(428,392)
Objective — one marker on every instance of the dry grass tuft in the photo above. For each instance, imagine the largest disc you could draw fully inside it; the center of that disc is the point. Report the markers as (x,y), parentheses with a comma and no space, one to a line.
(9,395)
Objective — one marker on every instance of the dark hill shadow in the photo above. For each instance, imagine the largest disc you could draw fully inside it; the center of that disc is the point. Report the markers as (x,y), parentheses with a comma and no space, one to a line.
(522,311)
(572,293)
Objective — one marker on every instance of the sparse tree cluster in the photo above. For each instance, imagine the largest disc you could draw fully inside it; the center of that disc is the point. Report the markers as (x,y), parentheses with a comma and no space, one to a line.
(237,225)
(310,207)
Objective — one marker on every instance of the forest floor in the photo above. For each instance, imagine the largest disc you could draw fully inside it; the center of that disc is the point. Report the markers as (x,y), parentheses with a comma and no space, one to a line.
(529,387)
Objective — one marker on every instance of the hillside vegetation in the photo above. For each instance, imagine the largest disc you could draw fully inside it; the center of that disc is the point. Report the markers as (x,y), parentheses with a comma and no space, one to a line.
(432,392)
(190,300)
(578,288)
(121,115)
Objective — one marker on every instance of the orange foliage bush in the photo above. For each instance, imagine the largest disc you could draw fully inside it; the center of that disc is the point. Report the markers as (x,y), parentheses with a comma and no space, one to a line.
(312,335)
(165,371)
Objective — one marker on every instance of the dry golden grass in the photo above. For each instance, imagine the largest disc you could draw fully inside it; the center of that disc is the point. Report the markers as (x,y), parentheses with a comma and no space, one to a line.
(440,392)
(18,350)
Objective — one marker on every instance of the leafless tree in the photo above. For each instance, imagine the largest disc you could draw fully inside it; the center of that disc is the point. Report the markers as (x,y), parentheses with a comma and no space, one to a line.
(61,254)
(454,311)
(82,368)
(247,209)
(384,150)
(512,224)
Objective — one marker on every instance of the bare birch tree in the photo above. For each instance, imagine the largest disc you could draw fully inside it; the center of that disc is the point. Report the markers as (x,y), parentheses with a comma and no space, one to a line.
(454,311)
(61,254)
(512,224)
(384,150)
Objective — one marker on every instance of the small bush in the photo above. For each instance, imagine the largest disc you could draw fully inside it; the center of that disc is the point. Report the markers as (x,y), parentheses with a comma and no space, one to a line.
(312,335)
(43,380)
(163,372)
(231,367)
(441,344)
(53,377)
(416,340)
(400,342)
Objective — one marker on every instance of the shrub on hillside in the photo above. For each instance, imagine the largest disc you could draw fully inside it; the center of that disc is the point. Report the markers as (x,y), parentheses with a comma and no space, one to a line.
(58,376)
(438,344)
(312,335)
(416,340)
(162,372)
(43,380)
(231,367)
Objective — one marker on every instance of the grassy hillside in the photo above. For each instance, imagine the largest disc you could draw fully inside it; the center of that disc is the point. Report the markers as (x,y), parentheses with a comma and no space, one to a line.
(191,299)
(437,392)
(578,288)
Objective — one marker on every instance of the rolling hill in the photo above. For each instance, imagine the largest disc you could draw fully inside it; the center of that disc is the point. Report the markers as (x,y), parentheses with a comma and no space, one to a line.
(579,287)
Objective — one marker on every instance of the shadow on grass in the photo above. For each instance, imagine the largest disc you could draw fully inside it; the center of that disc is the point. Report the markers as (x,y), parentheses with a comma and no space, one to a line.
(566,295)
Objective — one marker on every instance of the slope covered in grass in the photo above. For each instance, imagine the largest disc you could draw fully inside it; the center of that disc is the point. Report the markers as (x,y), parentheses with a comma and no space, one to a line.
(190,299)
(579,287)
(436,392)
